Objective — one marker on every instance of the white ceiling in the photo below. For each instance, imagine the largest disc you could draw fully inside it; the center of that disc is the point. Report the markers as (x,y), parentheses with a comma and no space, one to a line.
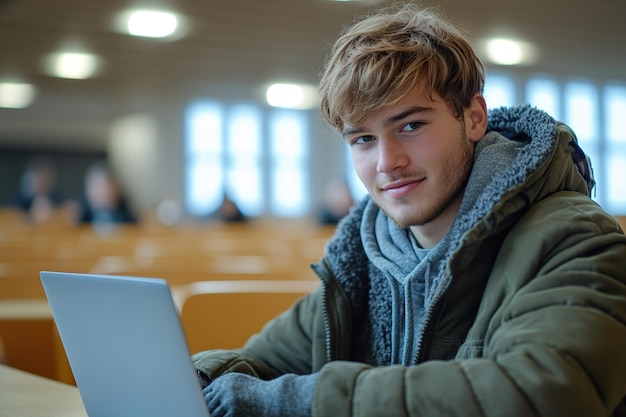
(233,46)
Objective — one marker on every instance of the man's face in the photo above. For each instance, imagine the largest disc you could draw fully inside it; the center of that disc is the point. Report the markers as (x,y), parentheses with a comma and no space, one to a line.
(414,158)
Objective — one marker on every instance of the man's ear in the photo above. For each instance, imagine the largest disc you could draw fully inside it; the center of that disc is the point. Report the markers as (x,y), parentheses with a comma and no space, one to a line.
(476,118)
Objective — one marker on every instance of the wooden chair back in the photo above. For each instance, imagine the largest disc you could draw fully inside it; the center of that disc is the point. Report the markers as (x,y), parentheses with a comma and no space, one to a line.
(224,314)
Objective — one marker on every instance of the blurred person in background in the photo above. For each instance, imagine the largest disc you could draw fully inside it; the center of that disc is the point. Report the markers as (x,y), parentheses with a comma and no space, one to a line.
(337,202)
(228,211)
(38,196)
(103,201)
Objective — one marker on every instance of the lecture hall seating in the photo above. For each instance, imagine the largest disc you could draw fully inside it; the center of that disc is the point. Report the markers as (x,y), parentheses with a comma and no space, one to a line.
(258,251)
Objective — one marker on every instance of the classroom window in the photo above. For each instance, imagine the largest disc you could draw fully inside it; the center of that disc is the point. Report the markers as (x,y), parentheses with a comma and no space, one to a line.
(288,160)
(581,111)
(357,189)
(615,122)
(544,94)
(204,168)
(258,158)
(582,115)
(615,104)
(499,91)
(244,172)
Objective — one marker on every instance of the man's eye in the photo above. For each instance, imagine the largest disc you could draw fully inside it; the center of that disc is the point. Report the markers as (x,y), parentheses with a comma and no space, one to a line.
(411,126)
(364,139)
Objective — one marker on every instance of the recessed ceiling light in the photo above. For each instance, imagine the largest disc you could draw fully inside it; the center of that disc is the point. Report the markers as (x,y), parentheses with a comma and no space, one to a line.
(292,96)
(151,23)
(502,51)
(358,1)
(74,65)
(16,95)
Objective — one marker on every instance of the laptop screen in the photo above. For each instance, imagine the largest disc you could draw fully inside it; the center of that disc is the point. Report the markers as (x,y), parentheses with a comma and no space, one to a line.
(125,345)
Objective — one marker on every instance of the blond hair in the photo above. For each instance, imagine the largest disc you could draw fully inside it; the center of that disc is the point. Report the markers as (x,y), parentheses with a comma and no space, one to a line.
(381,57)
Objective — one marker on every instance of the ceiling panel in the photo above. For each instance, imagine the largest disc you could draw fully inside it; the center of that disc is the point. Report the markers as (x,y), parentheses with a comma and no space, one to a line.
(254,42)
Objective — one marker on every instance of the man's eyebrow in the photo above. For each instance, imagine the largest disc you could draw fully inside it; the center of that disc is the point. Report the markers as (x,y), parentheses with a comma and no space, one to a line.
(402,115)
(351,131)
(408,112)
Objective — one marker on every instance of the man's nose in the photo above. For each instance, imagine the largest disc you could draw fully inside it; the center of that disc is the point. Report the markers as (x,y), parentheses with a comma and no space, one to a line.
(391,155)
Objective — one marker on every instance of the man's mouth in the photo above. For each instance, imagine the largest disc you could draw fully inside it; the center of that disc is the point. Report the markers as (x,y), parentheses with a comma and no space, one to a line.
(400,188)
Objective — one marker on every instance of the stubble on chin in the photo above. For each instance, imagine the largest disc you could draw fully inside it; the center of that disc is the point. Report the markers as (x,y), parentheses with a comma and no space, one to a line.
(415,218)
(409,216)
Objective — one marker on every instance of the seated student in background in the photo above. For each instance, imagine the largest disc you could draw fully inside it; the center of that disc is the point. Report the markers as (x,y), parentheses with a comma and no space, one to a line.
(337,202)
(477,279)
(38,196)
(103,201)
(228,212)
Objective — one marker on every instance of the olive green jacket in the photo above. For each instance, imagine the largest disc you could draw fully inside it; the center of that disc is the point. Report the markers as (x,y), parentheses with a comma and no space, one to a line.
(530,319)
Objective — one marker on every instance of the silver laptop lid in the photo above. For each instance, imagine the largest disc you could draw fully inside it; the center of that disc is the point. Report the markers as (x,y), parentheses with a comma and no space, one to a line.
(125,345)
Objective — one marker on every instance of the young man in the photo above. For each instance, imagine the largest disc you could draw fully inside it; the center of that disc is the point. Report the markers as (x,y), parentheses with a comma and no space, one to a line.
(477,279)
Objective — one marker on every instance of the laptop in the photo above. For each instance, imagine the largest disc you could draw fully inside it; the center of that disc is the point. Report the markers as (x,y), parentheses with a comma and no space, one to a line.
(125,345)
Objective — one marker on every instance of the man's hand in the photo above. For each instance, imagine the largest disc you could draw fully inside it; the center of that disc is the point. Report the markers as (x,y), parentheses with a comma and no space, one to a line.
(241,395)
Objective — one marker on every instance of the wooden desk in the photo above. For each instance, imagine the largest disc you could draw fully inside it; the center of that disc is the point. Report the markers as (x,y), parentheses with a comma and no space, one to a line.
(27,395)
(29,339)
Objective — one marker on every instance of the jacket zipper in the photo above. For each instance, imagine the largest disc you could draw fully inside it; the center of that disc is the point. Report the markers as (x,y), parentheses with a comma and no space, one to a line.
(428,327)
(329,312)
